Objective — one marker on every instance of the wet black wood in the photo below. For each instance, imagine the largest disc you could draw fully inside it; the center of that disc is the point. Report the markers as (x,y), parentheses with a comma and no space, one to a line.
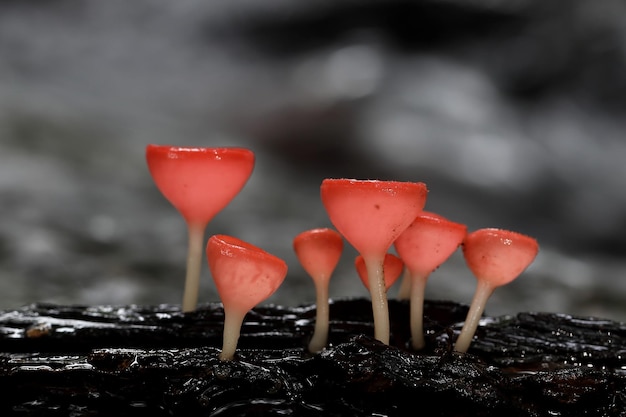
(155,360)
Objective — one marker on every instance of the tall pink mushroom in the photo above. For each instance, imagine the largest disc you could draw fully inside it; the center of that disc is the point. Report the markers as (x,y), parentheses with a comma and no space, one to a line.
(392,269)
(244,275)
(371,214)
(495,257)
(318,251)
(199,183)
(423,246)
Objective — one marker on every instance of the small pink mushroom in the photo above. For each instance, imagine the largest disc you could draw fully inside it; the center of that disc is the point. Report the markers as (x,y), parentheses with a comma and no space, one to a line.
(392,269)
(371,214)
(244,275)
(318,251)
(426,244)
(495,257)
(199,183)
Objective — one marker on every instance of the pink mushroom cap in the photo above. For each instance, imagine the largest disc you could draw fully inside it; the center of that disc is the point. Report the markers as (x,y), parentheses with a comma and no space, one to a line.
(428,242)
(371,214)
(199,182)
(498,256)
(319,251)
(244,274)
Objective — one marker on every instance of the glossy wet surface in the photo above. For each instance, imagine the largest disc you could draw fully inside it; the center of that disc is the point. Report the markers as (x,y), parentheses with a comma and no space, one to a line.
(140,360)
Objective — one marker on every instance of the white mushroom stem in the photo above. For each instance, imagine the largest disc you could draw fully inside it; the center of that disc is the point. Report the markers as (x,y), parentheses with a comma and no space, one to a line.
(194,262)
(378,293)
(233,320)
(405,286)
(477,308)
(418,287)
(320,334)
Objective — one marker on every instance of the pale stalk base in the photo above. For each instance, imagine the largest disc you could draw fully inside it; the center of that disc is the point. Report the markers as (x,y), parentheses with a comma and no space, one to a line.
(320,334)
(482,294)
(378,293)
(233,320)
(404,293)
(418,287)
(194,264)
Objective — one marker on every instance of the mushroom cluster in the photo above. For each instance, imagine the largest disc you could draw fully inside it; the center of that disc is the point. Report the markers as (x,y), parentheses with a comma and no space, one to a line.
(374,216)
(371,214)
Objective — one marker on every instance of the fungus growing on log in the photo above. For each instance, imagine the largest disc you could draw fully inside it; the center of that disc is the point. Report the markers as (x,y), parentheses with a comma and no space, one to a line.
(318,251)
(423,246)
(244,275)
(371,214)
(392,269)
(199,183)
(495,257)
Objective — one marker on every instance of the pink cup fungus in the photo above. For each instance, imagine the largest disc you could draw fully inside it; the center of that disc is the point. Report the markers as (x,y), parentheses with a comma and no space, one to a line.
(318,251)
(199,183)
(495,257)
(426,244)
(392,267)
(244,275)
(371,214)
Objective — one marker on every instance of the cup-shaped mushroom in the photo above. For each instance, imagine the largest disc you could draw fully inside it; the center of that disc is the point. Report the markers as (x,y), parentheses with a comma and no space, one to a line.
(319,251)
(392,269)
(371,214)
(245,275)
(424,246)
(496,257)
(199,183)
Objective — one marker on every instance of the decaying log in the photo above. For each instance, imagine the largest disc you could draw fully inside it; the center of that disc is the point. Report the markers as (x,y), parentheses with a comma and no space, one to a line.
(155,360)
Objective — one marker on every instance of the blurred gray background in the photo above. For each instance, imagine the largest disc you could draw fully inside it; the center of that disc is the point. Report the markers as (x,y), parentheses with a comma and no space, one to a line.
(511,111)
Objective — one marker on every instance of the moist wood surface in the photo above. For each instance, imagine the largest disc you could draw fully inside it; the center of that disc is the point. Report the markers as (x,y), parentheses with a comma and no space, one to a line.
(155,360)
